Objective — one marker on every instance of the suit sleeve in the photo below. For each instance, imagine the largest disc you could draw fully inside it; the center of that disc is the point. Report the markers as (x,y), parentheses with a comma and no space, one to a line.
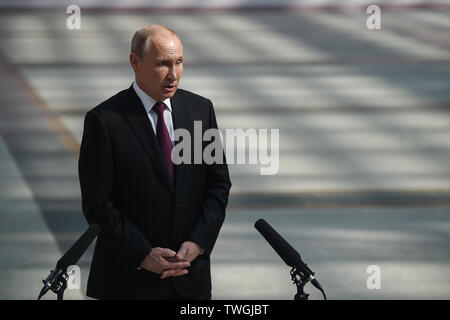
(124,240)
(217,190)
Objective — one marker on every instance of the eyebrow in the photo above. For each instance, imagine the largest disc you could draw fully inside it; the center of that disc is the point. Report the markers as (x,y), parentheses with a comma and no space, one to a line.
(168,60)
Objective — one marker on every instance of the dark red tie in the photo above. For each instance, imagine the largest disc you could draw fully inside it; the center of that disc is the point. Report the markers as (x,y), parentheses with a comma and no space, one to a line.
(162,134)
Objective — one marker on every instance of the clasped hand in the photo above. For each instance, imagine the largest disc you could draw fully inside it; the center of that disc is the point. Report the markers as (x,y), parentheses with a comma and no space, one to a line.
(169,263)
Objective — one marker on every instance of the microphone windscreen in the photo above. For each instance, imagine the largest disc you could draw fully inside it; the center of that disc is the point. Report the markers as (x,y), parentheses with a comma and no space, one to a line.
(289,255)
(76,251)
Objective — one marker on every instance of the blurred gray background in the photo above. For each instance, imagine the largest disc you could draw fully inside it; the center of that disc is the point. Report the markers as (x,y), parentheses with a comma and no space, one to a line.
(364,120)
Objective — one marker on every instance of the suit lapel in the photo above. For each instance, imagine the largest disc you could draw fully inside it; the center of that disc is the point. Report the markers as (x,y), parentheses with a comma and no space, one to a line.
(181,119)
(138,120)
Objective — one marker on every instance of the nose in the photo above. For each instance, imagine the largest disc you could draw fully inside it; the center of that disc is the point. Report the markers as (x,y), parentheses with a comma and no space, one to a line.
(172,75)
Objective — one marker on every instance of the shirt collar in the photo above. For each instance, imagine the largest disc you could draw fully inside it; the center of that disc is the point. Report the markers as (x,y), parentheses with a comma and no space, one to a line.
(148,101)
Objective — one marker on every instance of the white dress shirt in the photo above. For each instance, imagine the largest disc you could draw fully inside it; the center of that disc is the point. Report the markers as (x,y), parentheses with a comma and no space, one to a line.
(148,103)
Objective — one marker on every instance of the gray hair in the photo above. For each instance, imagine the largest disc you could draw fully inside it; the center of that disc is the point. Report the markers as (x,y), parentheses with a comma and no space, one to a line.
(141,42)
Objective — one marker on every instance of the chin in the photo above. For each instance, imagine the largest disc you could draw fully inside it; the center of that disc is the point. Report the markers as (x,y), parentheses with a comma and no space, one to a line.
(169,95)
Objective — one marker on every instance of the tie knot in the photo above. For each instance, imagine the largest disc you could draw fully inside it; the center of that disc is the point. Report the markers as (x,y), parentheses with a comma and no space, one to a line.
(159,108)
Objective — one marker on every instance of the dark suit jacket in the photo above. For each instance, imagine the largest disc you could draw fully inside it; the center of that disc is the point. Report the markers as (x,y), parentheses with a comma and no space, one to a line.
(126,189)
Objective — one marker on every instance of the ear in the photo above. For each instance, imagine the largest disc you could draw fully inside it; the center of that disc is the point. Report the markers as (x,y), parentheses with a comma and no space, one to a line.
(134,61)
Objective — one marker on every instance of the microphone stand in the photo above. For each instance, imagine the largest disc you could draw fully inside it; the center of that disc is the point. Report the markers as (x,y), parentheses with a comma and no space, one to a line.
(57,282)
(300,280)
(301,275)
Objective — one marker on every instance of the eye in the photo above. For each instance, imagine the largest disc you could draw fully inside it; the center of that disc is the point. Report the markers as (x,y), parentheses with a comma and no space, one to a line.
(162,64)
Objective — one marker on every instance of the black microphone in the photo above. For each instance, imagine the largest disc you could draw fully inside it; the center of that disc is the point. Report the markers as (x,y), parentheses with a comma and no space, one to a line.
(70,258)
(76,251)
(289,255)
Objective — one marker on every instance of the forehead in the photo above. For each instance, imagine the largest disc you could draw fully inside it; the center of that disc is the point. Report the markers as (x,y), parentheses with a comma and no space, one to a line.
(166,47)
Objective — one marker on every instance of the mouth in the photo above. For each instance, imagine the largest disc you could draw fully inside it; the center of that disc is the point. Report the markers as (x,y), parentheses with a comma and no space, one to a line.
(169,88)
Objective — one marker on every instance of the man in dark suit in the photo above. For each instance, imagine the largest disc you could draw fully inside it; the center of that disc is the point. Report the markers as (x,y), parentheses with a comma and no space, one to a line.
(159,221)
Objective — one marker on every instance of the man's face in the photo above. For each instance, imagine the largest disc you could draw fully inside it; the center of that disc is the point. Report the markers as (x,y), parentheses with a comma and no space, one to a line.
(159,71)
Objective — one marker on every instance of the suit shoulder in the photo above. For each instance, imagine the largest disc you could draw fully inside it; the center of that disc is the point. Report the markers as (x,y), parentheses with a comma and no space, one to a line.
(111,104)
(188,95)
